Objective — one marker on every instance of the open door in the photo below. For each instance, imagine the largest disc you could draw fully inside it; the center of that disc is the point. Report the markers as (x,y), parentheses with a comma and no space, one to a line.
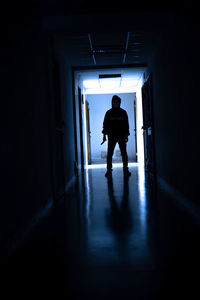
(148,127)
(88,132)
(135,130)
(80,102)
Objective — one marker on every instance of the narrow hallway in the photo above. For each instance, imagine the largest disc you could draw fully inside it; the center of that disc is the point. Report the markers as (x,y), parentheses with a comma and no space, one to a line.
(117,236)
(110,239)
(73,237)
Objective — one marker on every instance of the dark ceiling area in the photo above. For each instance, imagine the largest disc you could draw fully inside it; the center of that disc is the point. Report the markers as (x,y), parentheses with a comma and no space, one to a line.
(103,6)
(101,40)
(63,7)
(105,32)
(119,48)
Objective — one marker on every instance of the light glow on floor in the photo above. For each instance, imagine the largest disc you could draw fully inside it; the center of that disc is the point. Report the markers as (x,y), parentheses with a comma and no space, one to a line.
(115,165)
(142,198)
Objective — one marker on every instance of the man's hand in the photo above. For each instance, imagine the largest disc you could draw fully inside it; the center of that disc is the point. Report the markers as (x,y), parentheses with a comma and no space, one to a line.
(104,139)
(126,138)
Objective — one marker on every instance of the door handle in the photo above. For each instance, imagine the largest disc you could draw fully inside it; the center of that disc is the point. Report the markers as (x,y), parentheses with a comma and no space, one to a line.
(149,130)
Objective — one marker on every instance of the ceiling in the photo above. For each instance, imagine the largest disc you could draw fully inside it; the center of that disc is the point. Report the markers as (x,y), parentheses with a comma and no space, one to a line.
(126,83)
(104,49)
(95,37)
(107,43)
(107,39)
(55,7)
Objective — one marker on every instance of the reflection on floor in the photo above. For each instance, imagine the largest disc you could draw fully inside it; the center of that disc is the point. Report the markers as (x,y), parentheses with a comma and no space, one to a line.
(117,238)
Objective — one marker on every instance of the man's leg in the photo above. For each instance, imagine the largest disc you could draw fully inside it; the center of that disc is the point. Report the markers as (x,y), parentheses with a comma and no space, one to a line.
(111,146)
(122,146)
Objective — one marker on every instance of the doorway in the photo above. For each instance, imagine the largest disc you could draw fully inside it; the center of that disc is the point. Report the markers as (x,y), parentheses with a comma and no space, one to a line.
(97,100)
(99,104)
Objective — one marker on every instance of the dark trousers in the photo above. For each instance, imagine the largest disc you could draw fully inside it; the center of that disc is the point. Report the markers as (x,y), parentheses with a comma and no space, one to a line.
(112,141)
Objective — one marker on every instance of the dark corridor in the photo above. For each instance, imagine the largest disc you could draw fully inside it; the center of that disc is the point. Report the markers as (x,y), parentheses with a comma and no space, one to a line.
(69,232)
(110,238)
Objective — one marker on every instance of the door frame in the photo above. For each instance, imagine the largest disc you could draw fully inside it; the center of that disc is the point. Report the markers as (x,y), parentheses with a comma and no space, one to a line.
(78,98)
(88,132)
(135,130)
(80,102)
(148,127)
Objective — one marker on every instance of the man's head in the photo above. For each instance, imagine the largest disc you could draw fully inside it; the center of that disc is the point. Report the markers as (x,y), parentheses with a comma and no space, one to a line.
(116,101)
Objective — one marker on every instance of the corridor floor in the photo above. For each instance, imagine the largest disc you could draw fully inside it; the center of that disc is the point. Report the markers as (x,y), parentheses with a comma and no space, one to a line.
(117,238)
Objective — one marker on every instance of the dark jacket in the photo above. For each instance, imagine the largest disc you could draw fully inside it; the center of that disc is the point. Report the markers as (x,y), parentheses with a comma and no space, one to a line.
(116,123)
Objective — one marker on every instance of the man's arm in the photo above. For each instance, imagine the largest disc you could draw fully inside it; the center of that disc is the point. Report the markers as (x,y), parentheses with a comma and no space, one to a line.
(105,128)
(104,139)
(127,126)
(105,125)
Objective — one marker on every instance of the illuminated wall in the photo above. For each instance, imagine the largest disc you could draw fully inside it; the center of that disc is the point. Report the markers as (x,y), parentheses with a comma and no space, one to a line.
(99,104)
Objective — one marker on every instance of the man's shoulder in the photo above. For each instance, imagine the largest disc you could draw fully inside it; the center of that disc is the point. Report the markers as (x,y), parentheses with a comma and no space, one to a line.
(123,110)
(109,111)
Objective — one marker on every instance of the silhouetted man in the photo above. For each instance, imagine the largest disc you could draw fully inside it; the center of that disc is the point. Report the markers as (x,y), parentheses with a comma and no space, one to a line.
(116,127)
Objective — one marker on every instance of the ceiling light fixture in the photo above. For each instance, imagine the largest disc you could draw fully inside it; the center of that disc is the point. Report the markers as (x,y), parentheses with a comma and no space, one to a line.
(109,80)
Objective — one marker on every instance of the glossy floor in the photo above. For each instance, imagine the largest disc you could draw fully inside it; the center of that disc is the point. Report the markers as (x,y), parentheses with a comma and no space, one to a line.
(116,238)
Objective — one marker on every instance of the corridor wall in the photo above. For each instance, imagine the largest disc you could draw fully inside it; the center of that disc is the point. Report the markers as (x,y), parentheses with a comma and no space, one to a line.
(25,154)
(175,67)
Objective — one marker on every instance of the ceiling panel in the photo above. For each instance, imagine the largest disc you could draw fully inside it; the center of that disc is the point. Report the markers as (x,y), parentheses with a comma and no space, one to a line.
(104,49)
